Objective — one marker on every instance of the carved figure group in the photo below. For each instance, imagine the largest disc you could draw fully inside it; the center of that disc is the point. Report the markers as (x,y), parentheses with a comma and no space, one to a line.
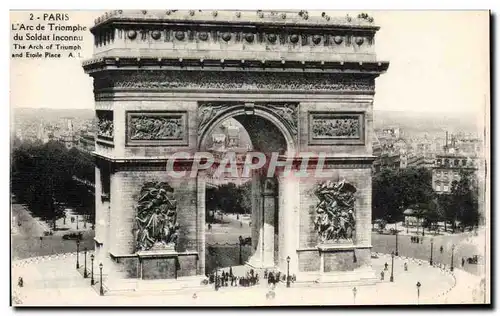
(156,216)
(335,211)
(345,127)
(149,127)
(105,127)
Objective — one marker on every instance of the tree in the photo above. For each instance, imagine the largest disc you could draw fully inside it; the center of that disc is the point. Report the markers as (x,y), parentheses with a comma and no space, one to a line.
(464,195)
(42,178)
(395,191)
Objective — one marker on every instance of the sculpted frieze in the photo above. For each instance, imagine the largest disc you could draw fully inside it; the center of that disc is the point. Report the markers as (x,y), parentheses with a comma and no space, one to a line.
(343,127)
(182,80)
(168,128)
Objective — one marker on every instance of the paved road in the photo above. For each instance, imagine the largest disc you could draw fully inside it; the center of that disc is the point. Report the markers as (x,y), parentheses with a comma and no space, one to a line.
(464,248)
(26,238)
(51,283)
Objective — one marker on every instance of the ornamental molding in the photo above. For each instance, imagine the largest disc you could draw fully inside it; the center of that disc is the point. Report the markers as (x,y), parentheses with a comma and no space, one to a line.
(246,81)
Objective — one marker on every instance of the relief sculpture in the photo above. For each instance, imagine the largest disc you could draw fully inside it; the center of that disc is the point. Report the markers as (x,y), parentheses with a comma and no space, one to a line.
(156,127)
(208,111)
(156,217)
(104,126)
(288,113)
(335,211)
(336,127)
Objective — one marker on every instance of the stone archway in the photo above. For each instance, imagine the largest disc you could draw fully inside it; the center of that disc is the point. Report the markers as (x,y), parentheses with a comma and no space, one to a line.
(270,132)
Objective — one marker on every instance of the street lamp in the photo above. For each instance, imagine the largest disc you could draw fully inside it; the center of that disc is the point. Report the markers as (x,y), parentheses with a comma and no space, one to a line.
(452,248)
(77,252)
(354,291)
(288,271)
(397,252)
(418,292)
(92,282)
(432,246)
(241,244)
(85,275)
(101,289)
(216,274)
(392,268)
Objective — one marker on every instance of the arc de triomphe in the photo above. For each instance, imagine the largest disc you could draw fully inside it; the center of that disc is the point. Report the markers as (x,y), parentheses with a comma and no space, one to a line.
(298,82)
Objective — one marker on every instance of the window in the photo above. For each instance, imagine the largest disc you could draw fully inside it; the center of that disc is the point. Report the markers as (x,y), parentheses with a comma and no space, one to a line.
(457,162)
(438,187)
(445,188)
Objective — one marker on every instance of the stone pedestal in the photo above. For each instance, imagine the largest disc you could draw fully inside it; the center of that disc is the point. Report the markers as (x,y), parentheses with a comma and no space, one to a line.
(158,264)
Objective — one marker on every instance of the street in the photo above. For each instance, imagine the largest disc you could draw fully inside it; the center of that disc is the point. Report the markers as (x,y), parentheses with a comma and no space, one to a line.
(28,240)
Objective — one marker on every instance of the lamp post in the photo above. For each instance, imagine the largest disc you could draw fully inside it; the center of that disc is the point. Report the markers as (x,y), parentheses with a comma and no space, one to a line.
(418,292)
(77,252)
(216,279)
(85,275)
(432,246)
(392,268)
(288,271)
(92,282)
(101,289)
(354,292)
(452,248)
(241,244)
(397,252)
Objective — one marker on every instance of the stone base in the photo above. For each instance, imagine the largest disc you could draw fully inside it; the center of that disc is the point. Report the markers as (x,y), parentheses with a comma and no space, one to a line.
(158,264)
(155,287)
(258,264)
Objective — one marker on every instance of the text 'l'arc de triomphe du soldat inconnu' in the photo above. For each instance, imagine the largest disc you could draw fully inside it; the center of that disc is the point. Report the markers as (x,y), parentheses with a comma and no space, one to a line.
(297,82)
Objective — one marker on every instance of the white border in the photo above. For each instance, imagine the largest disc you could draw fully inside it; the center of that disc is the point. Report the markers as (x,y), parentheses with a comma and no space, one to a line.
(354,5)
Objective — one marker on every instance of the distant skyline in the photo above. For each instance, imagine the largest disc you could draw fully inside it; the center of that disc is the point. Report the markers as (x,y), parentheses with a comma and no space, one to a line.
(439,62)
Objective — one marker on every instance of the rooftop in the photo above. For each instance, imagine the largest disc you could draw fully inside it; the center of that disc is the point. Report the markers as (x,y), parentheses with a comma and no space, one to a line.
(296,18)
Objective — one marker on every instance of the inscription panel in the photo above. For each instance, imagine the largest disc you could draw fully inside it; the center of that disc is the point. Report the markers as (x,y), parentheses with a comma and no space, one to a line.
(157,128)
(326,128)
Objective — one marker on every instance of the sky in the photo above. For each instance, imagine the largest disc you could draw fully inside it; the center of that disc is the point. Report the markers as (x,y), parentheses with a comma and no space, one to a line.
(439,62)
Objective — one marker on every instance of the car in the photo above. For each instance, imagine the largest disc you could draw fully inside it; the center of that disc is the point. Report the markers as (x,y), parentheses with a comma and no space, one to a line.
(474,260)
(73,236)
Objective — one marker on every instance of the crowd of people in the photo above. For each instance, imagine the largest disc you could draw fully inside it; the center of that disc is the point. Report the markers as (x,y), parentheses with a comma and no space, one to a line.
(250,278)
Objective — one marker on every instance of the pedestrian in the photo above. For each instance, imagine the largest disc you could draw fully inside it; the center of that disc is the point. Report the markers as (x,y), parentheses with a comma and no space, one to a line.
(20,282)
(417,239)
(386,266)
(406,266)
(231,271)
(241,224)
(463,261)
(382,275)
(441,249)
(265,274)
